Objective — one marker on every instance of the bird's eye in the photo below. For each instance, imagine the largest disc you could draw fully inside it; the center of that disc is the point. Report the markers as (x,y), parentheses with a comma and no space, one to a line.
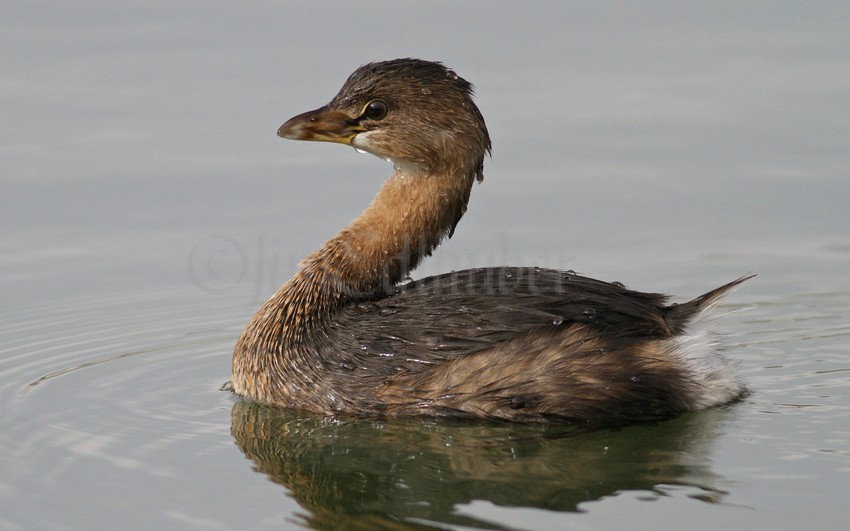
(375,110)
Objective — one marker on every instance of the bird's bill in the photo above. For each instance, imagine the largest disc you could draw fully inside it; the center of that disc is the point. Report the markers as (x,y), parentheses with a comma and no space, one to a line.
(321,125)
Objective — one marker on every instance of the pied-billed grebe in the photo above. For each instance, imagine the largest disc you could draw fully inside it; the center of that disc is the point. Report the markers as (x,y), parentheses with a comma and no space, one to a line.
(519,344)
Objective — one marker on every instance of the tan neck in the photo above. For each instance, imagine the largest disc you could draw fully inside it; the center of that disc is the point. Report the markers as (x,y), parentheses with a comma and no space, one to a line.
(405,222)
(408,218)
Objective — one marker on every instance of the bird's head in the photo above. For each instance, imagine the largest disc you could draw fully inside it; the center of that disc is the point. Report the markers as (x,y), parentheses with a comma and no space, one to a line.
(418,114)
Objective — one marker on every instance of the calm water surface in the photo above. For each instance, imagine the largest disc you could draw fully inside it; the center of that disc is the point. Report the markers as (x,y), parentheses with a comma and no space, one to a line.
(147,209)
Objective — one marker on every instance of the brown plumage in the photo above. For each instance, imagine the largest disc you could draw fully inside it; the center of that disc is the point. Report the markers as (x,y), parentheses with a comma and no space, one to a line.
(520,344)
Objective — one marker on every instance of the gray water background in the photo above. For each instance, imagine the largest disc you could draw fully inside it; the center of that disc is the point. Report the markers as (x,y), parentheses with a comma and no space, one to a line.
(147,208)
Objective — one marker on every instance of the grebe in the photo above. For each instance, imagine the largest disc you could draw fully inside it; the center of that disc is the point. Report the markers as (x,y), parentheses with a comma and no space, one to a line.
(344,337)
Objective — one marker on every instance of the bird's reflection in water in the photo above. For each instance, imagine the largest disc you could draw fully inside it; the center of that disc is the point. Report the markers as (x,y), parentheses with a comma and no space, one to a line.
(372,474)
